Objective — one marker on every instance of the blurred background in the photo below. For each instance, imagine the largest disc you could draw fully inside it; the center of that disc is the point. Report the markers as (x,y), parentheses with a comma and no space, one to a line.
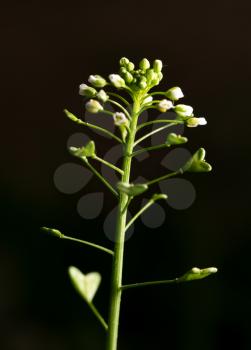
(47,50)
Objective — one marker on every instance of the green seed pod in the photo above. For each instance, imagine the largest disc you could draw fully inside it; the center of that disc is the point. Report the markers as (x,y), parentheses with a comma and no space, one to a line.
(157,66)
(124,61)
(197,163)
(174,139)
(144,64)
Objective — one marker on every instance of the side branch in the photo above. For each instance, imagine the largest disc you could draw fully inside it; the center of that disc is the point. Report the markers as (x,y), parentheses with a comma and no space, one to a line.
(151,283)
(164,177)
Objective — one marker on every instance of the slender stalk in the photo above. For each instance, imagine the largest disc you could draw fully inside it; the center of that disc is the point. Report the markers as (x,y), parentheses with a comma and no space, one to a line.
(110,165)
(145,207)
(120,97)
(99,317)
(97,246)
(117,270)
(92,126)
(159,121)
(95,172)
(150,283)
(152,148)
(153,132)
(121,107)
(164,177)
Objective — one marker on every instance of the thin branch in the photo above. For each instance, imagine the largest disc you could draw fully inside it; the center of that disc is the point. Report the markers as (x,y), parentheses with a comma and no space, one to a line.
(97,246)
(157,121)
(92,126)
(145,207)
(152,133)
(151,283)
(164,177)
(108,185)
(120,97)
(121,107)
(98,315)
(110,165)
(152,148)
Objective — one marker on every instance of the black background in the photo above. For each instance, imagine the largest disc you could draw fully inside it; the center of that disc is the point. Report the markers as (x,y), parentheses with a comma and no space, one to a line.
(47,50)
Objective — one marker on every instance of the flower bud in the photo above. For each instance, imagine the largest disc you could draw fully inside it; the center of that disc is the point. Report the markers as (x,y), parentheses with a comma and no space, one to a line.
(87,91)
(193,122)
(174,139)
(174,93)
(164,105)
(128,77)
(150,75)
(97,81)
(183,110)
(124,61)
(102,96)
(142,84)
(120,119)
(117,81)
(147,100)
(93,106)
(157,66)
(160,76)
(144,64)
(130,66)
(196,274)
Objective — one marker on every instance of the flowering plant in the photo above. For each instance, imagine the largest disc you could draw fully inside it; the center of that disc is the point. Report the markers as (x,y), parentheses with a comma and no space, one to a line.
(137,84)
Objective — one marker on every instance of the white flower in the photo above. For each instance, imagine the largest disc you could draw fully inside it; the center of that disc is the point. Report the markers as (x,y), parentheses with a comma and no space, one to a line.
(97,81)
(183,110)
(193,122)
(164,105)
(116,80)
(87,91)
(102,96)
(93,106)
(174,93)
(120,119)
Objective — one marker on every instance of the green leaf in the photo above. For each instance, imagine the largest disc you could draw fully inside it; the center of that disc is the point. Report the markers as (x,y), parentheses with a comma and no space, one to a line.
(197,163)
(130,189)
(85,151)
(196,274)
(86,285)
(174,139)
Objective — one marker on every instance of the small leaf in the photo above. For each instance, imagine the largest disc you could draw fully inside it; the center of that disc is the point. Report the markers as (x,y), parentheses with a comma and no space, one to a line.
(85,151)
(130,189)
(196,274)
(197,163)
(174,139)
(86,285)
(158,196)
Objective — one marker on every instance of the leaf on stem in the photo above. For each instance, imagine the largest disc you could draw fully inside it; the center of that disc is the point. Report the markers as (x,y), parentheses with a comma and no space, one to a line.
(196,274)
(197,163)
(130,189)
(86,285)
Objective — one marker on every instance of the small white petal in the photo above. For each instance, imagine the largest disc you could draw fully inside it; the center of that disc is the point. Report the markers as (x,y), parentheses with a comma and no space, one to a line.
(202,121)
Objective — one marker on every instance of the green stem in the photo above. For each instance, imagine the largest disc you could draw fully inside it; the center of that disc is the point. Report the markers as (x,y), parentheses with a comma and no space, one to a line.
(110,165)
(145,207)
(106,250)
(117,269)
(152,148)
(157,93)
(164,177)
(153,132)
(158,121)
(121,107)
(95,172)
(97,314)
(120,97)
(151,283)
(92,126)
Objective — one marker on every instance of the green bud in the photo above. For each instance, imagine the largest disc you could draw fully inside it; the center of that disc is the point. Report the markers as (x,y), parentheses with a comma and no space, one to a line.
(174,139)
(197,163)
(117,81)
(142,85)
(123,71)
(194,122)
(86,285)
(52,231)
(85,151)
(157,66)
(97,81)
(175,93)
(144,64)
(130,66)
(93,106)
(124,61)
(128,77)
(160,76)
(150,75)
(87,91)
(102,96)
(130,189)
(183,110)
(196,274)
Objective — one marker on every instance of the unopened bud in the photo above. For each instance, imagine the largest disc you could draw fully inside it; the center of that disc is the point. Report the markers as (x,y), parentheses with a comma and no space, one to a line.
(193,122)
(93,106)
(97,81)
(183,110)
(128,77)
(117,81)
(130,66)
(164,105)
(124,61)
(144,64)
(174,93)
(102,96)
(157,66)
(148,99)
(87,91)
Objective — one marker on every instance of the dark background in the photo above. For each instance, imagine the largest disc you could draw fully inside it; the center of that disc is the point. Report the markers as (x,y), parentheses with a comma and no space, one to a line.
(47,50)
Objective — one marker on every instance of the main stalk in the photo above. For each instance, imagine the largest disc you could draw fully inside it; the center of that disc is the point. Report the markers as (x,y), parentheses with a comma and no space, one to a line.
(117,268)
